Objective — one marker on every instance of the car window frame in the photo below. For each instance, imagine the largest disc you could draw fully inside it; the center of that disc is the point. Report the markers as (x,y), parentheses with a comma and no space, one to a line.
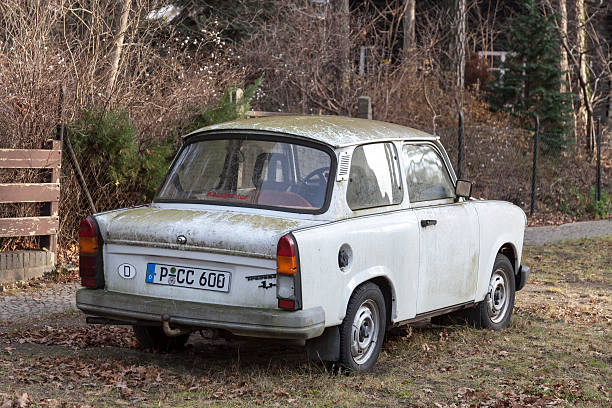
(451,175)
(391,206)
(259,136)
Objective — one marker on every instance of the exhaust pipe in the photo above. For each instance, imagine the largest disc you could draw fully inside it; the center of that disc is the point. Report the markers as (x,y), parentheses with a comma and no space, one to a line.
(105,321)
(170,332)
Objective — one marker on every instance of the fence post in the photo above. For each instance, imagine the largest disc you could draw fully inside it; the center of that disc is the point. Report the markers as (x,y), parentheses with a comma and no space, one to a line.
(460,144)
(362,61)
(80,178)
(364,107)
(598,141)
(60,113)
(536,136)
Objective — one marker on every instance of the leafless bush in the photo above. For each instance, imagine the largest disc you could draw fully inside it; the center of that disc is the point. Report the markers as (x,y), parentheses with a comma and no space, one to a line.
(161,76)
(300,49)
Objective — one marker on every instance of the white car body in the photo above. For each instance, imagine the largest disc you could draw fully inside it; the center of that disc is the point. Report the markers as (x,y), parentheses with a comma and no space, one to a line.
(422,270)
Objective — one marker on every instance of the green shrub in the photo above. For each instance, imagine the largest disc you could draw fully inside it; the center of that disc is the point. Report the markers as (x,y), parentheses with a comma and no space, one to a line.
(226,109)
(109,153)
(599,208)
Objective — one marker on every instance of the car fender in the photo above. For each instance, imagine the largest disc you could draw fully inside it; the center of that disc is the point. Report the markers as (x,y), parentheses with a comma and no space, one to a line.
(368,275)
(384,245)
(501,223)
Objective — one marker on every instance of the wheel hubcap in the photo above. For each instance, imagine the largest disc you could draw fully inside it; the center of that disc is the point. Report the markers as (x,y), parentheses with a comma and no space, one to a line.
(364,331)
(498,296)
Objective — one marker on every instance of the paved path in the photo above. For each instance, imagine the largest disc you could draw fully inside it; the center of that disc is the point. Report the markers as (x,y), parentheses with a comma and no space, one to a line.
(61,297)
(583,229)
(38,302)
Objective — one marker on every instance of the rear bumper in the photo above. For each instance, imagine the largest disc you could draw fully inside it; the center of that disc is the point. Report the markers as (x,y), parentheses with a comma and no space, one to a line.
(522,276)
(243,321)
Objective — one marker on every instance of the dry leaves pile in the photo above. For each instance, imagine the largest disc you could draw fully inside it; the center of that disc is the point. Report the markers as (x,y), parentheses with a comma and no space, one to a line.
(16,401)
(590,311)
(539,395)
(127,384)
(73,337)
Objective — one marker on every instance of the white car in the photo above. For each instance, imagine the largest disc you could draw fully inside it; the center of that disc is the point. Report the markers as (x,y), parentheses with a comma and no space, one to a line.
(327,229)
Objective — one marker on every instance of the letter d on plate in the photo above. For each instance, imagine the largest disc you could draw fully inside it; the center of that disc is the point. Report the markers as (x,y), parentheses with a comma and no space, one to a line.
(126,271)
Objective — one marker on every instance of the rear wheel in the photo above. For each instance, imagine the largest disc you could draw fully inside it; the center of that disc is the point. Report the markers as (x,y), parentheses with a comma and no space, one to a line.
(150,337)
(363,329)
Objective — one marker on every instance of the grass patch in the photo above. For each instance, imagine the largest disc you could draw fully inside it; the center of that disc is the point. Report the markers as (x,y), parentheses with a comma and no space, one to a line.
(555,351)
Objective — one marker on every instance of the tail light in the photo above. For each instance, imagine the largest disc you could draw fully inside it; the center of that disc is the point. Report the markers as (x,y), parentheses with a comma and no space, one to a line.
(90,254)
(288,284)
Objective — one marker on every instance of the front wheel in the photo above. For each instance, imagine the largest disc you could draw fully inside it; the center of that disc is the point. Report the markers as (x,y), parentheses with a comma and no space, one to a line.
(495,310)
(363,329)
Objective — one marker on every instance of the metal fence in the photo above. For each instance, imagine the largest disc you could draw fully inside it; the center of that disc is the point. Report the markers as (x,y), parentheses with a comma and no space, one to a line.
(505,163)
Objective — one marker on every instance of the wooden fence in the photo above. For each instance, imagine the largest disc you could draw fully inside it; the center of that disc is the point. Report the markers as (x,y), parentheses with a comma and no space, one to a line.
(46,225)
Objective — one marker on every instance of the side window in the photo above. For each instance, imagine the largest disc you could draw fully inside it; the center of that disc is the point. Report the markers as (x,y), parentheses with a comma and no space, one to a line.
(426,175)
(374,178)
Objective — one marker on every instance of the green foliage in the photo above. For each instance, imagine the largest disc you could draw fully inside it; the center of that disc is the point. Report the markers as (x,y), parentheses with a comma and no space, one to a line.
(109,153)
(532,80)
(226,109)
(599,208)
(575,202)
(155,157)
(105,139)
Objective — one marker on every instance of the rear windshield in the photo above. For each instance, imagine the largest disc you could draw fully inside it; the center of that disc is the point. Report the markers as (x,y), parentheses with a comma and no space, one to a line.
(249,172)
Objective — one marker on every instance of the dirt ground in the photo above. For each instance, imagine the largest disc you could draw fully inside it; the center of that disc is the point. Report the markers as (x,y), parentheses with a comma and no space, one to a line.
(556,352)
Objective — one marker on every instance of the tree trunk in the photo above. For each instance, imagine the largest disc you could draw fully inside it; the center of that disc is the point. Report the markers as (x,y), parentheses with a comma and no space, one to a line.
(460,38)
(118,46)
(566,86)
(409,26)
(585,112)
(342,11)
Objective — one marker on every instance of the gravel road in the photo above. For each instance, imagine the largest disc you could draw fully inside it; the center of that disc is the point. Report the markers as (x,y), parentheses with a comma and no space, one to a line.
(61,297)
(584,229)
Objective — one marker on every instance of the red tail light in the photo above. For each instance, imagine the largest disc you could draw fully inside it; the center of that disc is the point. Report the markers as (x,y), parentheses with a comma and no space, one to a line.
(286,262)
(88,237)
(286,304)
(288,282)
(90,256)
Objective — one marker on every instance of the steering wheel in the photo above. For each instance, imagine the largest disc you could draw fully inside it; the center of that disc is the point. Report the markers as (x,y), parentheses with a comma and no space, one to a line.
(313,185)
(319,173)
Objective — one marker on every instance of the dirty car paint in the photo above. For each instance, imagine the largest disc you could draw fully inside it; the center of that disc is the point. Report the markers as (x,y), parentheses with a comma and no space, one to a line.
(223,231)
(335,131)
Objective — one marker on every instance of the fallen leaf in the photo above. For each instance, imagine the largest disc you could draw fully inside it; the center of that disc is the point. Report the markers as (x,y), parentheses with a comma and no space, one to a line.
(22,400)
(281,394)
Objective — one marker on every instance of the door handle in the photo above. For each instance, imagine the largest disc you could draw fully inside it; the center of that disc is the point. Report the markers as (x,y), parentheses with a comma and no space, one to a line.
(427,223)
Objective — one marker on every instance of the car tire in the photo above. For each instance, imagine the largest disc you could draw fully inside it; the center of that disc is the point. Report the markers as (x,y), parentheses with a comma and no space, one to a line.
(363,329)
(150,337)
(495,310)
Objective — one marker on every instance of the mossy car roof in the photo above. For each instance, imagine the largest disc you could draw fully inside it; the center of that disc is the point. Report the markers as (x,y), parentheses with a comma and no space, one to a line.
(335,131)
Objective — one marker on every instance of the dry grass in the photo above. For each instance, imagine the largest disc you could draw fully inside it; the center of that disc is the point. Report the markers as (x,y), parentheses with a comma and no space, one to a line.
(555,352)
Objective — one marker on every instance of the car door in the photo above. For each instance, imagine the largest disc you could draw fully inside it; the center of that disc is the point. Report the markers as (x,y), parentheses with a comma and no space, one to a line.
(448,268)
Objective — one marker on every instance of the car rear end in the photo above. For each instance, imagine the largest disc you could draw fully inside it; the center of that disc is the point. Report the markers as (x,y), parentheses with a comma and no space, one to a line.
(216,253)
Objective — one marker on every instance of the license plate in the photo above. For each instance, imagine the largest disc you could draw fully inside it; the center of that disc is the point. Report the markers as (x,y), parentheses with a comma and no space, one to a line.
(187,277)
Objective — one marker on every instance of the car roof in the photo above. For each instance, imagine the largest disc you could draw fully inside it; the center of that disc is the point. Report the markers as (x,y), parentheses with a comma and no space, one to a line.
(335,131)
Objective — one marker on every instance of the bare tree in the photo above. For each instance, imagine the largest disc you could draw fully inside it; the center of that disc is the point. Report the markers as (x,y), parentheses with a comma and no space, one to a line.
(342,9)
(589,57)
(585,109)
(118,46)
(566,84)
(409,26)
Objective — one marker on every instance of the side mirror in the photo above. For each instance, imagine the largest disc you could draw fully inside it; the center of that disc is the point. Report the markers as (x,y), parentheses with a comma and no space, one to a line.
(463,189)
